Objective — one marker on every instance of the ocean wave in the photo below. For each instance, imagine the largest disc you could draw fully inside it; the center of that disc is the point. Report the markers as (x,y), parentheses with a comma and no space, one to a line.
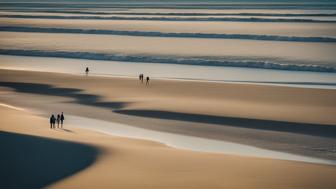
(201,61)
(213,19)
(162,34)
(174,5)
(207,14)
(181,13)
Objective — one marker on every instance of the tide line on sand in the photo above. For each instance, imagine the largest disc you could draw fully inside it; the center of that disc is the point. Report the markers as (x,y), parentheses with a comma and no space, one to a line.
(188,142)
(12,107)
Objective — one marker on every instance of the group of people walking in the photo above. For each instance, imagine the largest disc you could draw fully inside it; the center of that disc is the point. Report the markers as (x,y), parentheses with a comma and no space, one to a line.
(141,78)
(59,119)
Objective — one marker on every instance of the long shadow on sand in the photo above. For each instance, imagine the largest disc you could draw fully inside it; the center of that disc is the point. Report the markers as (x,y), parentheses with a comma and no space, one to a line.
(117,107)
(292,127)
(35,162)
(76,94)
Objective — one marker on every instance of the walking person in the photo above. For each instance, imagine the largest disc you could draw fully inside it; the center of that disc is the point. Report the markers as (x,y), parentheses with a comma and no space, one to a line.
(51,120)
(54,122)
(58,120)
(141,78)
(62,119)
(147,80)
(87,71)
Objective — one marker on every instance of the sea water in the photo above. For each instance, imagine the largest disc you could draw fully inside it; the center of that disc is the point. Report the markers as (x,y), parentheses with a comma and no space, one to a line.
(270,42)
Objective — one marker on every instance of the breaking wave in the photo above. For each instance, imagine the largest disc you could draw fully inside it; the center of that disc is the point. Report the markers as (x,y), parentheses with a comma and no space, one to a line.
(216,14)
(214,19)
(201,61)
(161,34)
(180,13)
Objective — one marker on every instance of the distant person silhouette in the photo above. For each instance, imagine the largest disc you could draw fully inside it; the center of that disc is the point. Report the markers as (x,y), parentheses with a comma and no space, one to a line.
(52,121)
(87,71)
(62,119)
(147,80)
(58,120)
(141,78)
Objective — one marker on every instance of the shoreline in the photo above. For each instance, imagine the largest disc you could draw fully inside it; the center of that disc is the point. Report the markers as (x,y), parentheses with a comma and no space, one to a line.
(309,85)
(303,79)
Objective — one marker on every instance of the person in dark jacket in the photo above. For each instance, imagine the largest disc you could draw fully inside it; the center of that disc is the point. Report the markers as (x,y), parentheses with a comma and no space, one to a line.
(147,80)
(52,121)
(62,119)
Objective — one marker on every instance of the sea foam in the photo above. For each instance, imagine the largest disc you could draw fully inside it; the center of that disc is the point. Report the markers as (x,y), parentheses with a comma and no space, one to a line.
(201,61)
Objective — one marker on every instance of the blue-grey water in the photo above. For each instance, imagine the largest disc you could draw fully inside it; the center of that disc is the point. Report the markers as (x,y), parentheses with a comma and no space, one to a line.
(296,35)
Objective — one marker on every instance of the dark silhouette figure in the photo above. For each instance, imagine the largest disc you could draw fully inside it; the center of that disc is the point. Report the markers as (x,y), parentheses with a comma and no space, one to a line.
(52,121)
(58,120)
(141,77)
(87,71)
(62,119)
(147,80)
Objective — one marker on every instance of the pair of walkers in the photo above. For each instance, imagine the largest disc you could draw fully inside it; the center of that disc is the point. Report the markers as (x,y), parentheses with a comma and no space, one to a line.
(141,78)
(59,119)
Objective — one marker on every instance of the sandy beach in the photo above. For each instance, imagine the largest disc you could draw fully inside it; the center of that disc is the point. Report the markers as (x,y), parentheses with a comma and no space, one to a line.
(239,94)
(192,108)
(297,120)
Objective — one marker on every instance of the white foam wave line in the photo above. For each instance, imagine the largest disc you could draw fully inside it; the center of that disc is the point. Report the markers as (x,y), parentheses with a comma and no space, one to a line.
(172,5)
(219,14)
(170,60)
(179,13)
(213,19)
(161,34)
(11,107)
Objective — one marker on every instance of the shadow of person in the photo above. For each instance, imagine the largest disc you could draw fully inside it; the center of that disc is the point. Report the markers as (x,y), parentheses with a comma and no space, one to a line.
(66,130)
